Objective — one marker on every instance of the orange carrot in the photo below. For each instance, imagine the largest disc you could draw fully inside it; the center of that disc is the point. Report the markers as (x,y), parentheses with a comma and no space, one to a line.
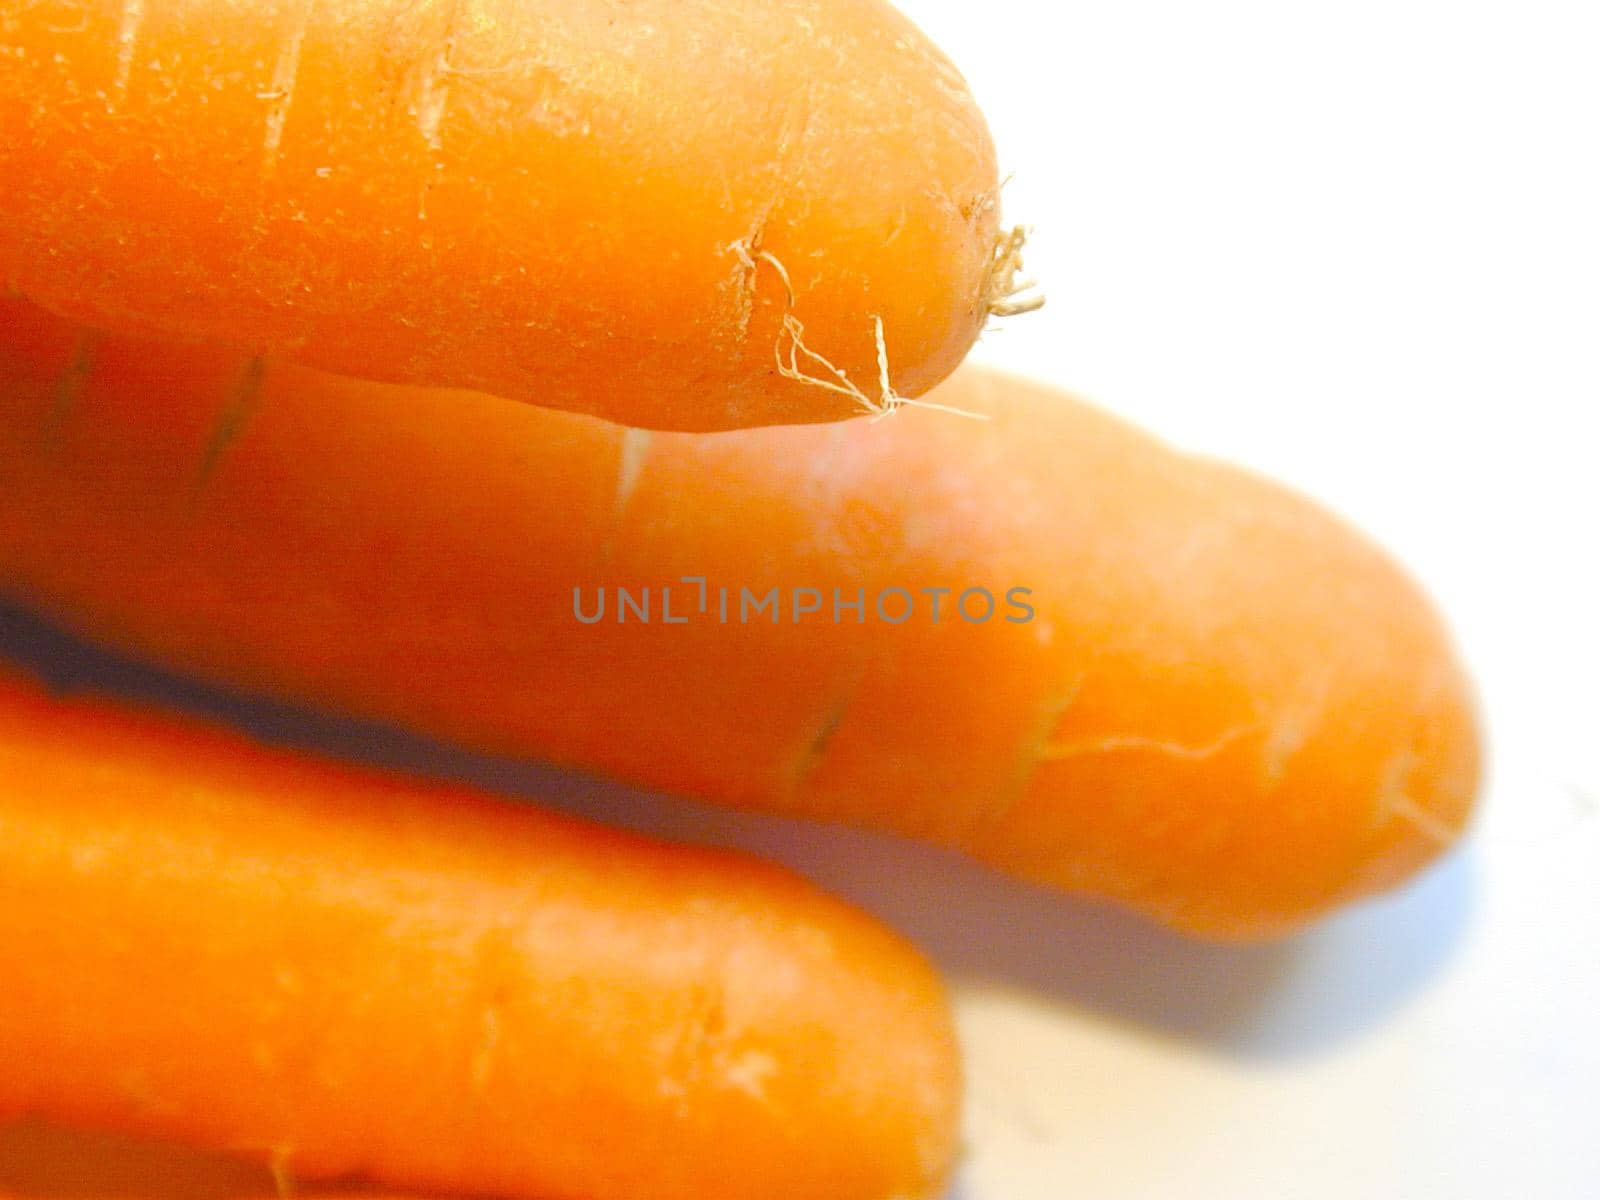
(147,1193)
(40,1161)
(1228,710)
(583,207)
(344,973)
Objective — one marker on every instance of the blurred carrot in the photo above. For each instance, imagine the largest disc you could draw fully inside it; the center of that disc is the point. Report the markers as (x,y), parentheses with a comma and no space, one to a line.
(40,1161)
(560,202)
(344,973)
(144,1193)
(1229,710)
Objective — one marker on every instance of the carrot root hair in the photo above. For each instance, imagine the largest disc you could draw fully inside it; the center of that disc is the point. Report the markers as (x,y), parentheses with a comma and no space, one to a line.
(799,362)
(1006,291)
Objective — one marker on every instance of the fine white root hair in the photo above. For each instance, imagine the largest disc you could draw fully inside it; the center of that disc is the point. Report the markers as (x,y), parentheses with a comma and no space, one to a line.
(1006,293)
(799,362)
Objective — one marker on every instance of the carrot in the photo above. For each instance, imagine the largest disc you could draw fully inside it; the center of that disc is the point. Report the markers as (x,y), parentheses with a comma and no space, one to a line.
(1228,710)
(339,972)
(43,1162)
(145,1193)
(638,213)
(39,1161)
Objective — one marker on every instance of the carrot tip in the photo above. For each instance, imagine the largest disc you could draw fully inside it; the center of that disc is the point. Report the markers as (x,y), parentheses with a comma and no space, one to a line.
(823,373)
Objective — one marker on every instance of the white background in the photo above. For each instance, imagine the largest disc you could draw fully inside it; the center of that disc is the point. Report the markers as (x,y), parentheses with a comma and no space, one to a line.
(1356,245)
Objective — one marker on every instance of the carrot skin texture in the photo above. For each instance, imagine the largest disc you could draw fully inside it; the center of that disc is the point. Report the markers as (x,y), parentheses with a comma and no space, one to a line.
(347,973)
(1229,712)
(550,201)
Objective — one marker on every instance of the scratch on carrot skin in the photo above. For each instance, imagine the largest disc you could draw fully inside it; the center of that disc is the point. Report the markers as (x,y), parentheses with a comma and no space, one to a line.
(430,108)
(902,218)
(816,747)
(793,129)
(1396,803)
(1291,731)
(282,1176)
(1118,743)
(492,968)
(827,725)
(127,43)
(632,450)
(236,411)
(69,385)
(1033,748)
(1407,809)
(1287,738)
(281,90)
(434,90)
(797,122)
(630,465)
(745,250)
